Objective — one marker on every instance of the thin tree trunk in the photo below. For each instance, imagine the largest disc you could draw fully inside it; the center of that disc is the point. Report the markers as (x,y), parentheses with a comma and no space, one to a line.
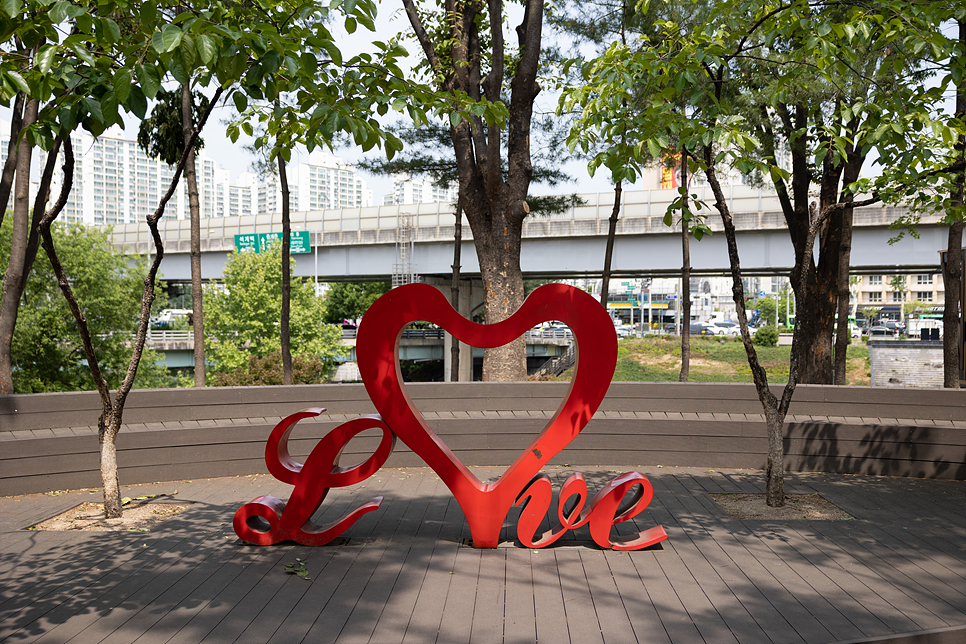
(843,334)
(194,208)
(286,275)
(609,249)
(454,374)
(19,239)
(109,422)
(685,273)
(10,165)
(953,268)
(775,409)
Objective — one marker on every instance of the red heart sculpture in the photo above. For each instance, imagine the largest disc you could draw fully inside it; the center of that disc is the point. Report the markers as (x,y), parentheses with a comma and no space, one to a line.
(486,504)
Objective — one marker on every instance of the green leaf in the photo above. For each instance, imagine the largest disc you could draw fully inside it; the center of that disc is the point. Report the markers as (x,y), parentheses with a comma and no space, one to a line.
(83,54)
(148,13)
(18,81)
(45,58)
(149,80)
(122,84)
(177,70)
(94,108)
(350,25)
(12,8)
(136,102)
(189,53)
(241,101)
(170,38)
(58,13)
(455,118)
(111,27)
(206,48)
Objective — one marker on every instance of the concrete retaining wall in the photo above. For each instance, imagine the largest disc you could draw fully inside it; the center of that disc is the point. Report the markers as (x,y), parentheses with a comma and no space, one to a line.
(49,441)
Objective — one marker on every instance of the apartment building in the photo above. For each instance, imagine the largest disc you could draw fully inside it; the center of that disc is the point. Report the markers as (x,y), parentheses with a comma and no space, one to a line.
(407,190)
(321,183)
(892,295)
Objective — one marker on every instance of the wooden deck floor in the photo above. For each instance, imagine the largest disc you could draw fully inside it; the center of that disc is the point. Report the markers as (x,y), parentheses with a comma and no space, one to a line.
(404,575)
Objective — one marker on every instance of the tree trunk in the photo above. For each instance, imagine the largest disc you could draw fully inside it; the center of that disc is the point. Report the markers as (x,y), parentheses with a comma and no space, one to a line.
(685,274)
(10,165)
(455,288)
(194,209)
(843,337)
(107,437)
(775,409)
(16,265)
(843,334)
(953,268)
(112,412)
(503,295)
(494,194)
(609,249)
(286,275)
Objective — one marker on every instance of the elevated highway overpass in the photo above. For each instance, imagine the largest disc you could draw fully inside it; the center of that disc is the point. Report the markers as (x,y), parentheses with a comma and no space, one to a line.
(359,244)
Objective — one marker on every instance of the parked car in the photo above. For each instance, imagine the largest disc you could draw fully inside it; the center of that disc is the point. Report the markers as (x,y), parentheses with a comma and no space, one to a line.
(701,329)
(725,327)
(882,331)
(897,327)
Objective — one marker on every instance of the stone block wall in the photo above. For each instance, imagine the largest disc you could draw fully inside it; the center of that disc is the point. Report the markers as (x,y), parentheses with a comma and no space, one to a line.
(906,363)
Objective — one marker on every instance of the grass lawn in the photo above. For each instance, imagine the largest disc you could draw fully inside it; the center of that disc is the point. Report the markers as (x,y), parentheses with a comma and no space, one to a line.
(657,358)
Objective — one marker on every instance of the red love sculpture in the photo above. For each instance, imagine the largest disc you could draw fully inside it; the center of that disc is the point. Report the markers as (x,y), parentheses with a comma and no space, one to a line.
(267,520)
(486,504)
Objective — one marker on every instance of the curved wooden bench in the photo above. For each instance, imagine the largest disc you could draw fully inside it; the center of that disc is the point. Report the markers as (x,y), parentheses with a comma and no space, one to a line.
(49,441)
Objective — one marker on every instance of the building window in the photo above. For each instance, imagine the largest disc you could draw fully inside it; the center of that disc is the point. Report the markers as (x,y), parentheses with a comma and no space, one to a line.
(924,296)
(898,296)
(923,279)
(874,297)
(875,280)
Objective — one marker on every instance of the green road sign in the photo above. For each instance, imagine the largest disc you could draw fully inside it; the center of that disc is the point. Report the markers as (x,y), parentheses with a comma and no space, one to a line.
(258,242)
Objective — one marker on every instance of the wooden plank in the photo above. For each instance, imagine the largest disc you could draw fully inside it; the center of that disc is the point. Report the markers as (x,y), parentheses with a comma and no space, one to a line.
(198,598)
(398,610)
(612,616)
(870,614)
(430,604)
(752,582)
(77,611)
(457,617)
(548,601)
(60,601)
(519,619)
(328,571)
(936,588)
(578,601)
(490,598)
(338,614)
(370,607)
(231,609)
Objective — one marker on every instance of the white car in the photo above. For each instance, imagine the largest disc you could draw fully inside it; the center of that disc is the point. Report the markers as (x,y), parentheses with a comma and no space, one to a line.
(725,327)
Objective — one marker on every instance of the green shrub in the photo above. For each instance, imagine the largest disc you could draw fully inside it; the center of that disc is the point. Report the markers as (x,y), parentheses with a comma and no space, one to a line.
(766,336)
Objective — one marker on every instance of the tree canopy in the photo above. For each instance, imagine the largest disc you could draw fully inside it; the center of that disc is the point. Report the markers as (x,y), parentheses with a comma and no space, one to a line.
(351,300)
(47,353)
(242,315)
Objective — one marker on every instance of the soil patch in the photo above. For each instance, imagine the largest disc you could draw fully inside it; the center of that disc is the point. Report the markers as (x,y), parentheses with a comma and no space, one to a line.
(669,361)
(138,516)
(810,507)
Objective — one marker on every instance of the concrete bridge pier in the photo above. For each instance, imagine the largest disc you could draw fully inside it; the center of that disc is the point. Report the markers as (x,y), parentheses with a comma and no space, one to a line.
(471,299)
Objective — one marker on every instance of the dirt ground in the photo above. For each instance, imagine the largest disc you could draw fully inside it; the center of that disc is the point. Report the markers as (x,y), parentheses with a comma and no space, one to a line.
(811,507)
(139,515)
